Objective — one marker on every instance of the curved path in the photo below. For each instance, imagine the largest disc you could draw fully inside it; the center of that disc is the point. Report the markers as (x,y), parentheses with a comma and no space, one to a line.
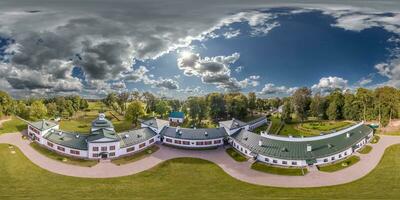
(240,171)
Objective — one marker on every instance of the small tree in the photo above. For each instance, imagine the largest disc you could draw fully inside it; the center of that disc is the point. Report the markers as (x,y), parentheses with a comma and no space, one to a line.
(162,108)
(38,110)
(134,112)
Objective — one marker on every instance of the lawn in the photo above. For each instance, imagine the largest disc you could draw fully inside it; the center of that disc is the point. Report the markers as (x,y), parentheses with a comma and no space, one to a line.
(136,156)
(260,129)
(365,150)
(183,178)
(340,165)
(81,121)
(278,170)
(14,125)
(64,159)
(312,128)
(375,139)
(235,155)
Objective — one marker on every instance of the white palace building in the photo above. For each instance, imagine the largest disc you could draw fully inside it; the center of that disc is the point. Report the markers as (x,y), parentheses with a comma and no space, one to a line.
(104,142)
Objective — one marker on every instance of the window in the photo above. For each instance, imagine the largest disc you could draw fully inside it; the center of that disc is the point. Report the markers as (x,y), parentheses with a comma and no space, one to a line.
(274,161)
(178,142)
(60,148)
(284,162)
(142,145)
(74,152)
(245,151)
(340,155)
(217,141)
(151,141)
(112,148)
(241,149)
(111,154)
(130,149)
(199,143)
(333,158)
(168,140)
(95,148)
(37,139)
(207,142)
(326,160)
(103,148)
(95,155)
(266,159)
(345,153)
(294,163)
(50,144)
(186,142)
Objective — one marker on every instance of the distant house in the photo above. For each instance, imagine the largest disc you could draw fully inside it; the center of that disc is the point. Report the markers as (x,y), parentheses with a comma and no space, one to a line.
(177,117)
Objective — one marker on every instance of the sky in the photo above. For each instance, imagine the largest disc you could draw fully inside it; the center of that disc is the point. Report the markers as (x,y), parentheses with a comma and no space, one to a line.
(181,48)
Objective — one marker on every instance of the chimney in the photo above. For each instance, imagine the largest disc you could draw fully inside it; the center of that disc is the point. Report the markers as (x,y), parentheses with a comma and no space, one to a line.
(347,135)
(205,133)
(309,148)
(260,143)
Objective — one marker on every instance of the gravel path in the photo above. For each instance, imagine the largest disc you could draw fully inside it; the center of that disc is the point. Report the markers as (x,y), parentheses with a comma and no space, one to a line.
(240,171)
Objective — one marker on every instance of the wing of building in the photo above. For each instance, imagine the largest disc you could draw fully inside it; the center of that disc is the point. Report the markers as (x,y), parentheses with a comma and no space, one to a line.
(104,142)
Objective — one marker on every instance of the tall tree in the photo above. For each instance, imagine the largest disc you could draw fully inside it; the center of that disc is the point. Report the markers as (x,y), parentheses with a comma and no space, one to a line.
(216,104)
(365,97)
(301,101)
(6,103)
(162,107)
(318,106)
(150,101)
(134,111)
(336,102)
(286,112)
(236,105)
(252,98)
(38,110)
(196,107)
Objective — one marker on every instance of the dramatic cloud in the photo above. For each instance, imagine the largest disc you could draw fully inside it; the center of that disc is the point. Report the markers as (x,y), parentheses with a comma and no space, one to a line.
(272,89)
(214,70)
(328,84)
(390,70)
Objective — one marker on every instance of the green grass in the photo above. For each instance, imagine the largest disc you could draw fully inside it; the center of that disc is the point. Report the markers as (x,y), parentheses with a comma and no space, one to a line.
(278,170)
(14,125)
(312,128)
(183,178)
(68,160)
(259,129)
(375,139)
(366,149)
(136,156)
(235,155)
(392,133)
(276,122)
(340,165)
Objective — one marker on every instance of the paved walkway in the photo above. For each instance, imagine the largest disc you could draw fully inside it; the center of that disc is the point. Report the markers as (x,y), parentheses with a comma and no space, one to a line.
(240,171)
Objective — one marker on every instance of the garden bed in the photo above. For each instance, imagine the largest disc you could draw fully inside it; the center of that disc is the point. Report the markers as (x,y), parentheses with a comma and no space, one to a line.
(340,164)
(290,171)
(235,155)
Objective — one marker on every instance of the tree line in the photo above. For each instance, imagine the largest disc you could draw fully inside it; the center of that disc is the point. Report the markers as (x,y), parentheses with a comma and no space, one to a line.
(39,108)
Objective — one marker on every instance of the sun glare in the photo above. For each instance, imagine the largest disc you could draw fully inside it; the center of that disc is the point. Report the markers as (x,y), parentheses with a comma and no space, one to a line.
(185,54)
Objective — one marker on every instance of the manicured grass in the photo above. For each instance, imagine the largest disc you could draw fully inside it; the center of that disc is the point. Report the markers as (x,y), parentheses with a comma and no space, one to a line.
(312,128)
(365,150)
(276,123)
(235,155)
(392,133)
(375,139)
(183,178)
(260,129)
(14,125)
(278,170)
(64,159)
(322,126)
(340,165)
(136,156)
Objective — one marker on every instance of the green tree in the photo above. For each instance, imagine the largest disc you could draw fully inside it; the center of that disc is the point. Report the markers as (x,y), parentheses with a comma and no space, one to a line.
(366,98)
(252,98)
(336,102)
(286,112)
(37,110)
(52,109)
(150,101)
(196,108)
(216,106)
(318,106)
(236,105)
(6,103)
(162,108)
(301,102)
(135,111)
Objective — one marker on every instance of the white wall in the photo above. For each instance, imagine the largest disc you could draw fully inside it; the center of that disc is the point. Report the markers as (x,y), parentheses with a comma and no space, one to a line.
(173,119)
(124,152)
(192,143)
(100,145)
(43,142)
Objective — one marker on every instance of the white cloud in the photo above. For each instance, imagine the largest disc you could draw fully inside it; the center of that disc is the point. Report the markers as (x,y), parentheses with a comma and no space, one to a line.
(272,89)
(328,84)
(231,34)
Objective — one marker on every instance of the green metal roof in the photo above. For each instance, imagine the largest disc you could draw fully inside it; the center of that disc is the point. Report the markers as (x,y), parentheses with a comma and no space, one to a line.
(43,125)
(297,150)
(103,133)
(71,140)
(177,114)
(155,123)
(194,134)
(102,122)
(134,137)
